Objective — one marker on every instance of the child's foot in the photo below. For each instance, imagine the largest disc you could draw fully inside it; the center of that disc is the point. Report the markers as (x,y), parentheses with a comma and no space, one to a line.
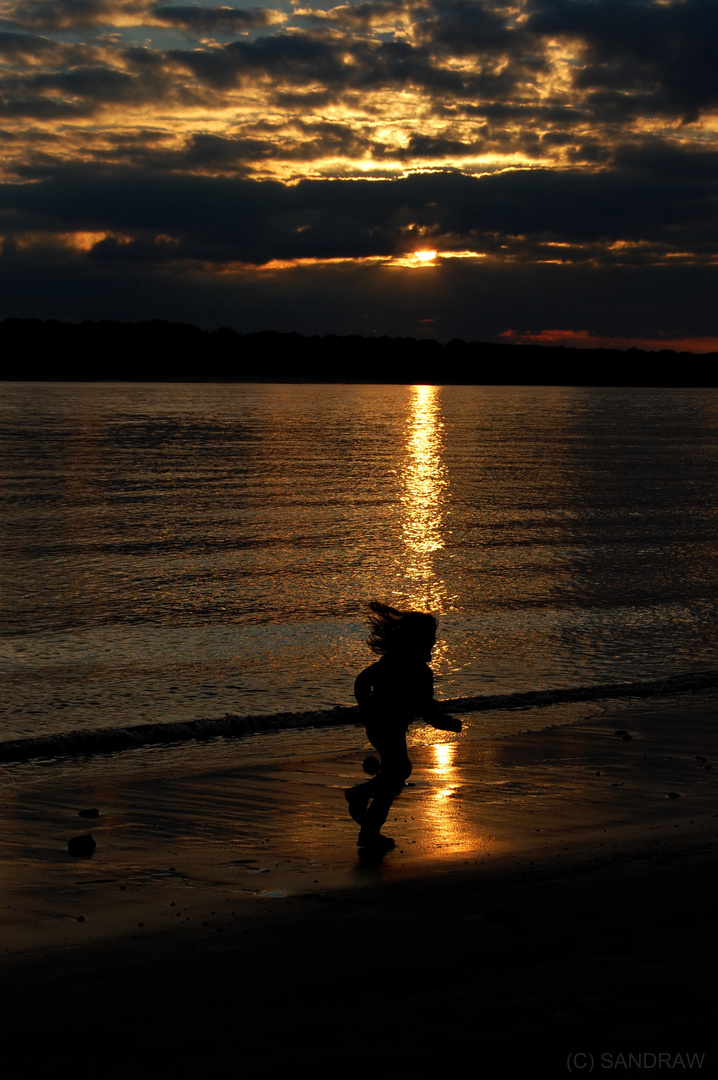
(358,801)
(375,840)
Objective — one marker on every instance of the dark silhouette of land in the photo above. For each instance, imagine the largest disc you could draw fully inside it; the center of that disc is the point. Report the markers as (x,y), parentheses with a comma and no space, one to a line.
(37,349)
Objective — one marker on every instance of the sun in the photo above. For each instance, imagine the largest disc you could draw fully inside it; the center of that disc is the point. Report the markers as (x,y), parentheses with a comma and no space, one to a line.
(425,256)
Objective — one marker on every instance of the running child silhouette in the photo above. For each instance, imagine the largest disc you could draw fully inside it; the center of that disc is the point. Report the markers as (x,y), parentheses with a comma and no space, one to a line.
(391,693)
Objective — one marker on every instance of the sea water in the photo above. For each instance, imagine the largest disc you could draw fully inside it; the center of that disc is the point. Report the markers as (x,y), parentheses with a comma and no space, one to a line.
(178,551)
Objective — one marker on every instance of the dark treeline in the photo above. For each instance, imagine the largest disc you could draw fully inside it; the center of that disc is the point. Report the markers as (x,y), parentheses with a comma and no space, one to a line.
(48,349)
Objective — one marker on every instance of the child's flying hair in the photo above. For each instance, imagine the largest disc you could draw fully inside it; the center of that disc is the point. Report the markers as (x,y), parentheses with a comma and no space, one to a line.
(393,629)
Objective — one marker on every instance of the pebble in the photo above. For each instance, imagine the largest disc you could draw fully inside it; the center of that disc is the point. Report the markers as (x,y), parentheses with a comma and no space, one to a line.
(81,845)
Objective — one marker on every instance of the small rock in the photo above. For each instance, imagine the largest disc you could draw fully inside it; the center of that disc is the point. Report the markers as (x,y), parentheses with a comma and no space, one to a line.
(93,813)
(626,737)
(81,845)
(672,795)
(80,918)
(620,734)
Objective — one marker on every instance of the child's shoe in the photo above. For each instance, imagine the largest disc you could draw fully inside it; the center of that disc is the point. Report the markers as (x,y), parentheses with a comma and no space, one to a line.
(375,840)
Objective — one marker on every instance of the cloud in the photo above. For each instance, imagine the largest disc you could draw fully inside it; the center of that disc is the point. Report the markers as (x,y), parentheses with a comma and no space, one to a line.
(612,216)
(470,300)
(66,14)
(22,47)
(463,28)
(305,59)
(168,139)
(222,18)
(639,56)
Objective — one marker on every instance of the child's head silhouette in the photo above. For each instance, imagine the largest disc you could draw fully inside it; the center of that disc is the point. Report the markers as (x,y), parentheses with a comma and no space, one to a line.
(408,632)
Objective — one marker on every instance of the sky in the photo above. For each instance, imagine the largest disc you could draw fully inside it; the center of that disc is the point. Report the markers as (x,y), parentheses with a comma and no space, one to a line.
(538,171)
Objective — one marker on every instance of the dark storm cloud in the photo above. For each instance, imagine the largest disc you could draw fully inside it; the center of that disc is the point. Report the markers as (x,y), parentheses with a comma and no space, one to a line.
(222,219)
(78,92)
(211,18)
(363,16)
(65,14)
(305,59)
(465,299)
(32,50)
(431,146)
(465,28)
(308,59)
(316,140)
(24,46)
(99,83)
(640,56)
(170,137)
(15,103)
(238,156)
(299,58)
(685,167)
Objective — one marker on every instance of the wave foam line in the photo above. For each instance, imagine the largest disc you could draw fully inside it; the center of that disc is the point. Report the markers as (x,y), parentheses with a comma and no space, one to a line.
(110,740)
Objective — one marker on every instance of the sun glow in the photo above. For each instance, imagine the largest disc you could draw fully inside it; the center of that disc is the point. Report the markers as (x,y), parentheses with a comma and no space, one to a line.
(425,256)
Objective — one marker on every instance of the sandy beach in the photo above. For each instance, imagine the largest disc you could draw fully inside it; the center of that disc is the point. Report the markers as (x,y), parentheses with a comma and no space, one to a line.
(551,894)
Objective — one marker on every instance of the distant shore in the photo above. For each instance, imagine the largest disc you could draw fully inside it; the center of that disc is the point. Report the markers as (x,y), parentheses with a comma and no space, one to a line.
(551,893)
(157,350)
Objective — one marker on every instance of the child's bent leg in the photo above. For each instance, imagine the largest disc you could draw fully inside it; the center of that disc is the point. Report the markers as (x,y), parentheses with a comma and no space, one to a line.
(395,769)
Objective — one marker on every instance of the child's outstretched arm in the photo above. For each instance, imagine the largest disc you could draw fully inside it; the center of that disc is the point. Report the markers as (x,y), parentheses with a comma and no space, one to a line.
(431,712)
(441,720)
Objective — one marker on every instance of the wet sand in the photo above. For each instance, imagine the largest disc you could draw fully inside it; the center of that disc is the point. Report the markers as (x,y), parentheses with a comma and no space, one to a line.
(551,893)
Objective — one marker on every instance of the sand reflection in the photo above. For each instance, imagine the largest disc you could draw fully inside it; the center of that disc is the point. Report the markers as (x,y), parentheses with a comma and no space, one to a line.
(424,484)
(444,820)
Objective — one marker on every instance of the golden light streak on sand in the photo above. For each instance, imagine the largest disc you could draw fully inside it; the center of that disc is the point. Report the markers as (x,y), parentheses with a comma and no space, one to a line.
(442,809)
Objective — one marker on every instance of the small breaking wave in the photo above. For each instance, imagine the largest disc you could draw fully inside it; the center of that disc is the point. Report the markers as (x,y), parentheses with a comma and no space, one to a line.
(110,740)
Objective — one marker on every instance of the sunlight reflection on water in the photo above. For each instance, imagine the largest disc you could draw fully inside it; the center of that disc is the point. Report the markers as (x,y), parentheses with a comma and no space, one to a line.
(175,551)
(424,481)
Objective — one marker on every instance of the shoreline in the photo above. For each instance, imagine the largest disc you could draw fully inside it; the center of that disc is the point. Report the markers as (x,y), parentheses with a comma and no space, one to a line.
(88,741)
(547,896)
(201,821)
